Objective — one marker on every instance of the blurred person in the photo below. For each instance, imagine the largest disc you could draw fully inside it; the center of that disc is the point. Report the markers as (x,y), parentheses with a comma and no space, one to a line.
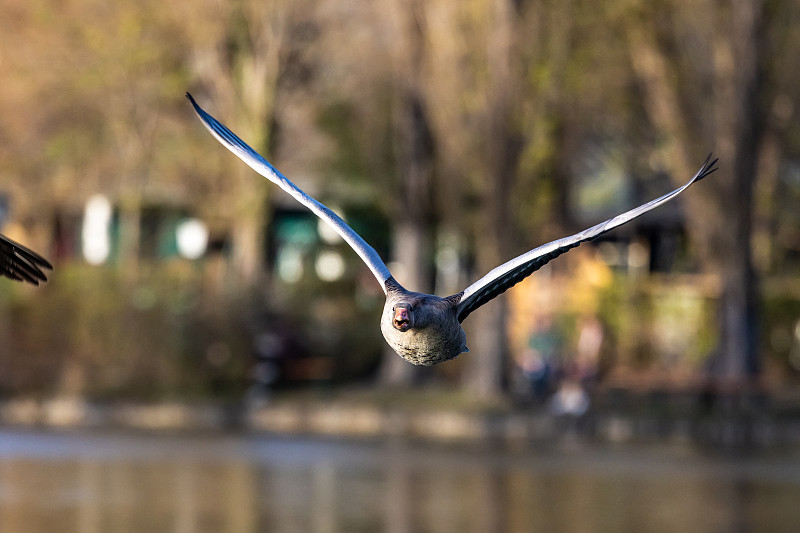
(580,374)
(587,350)
(570,399)
(539,363)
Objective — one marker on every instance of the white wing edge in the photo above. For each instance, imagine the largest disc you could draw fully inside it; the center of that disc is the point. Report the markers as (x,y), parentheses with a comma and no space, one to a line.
(585,235)
(255,161)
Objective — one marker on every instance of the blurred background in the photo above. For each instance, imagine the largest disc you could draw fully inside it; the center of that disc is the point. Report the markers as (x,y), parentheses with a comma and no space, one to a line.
(453,136)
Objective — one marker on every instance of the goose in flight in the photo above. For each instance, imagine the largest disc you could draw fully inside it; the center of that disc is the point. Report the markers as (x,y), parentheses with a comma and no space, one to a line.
(20,263)
(422,328)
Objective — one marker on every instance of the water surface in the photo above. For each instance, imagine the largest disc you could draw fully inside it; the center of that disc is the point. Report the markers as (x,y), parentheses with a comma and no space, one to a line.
(92,482)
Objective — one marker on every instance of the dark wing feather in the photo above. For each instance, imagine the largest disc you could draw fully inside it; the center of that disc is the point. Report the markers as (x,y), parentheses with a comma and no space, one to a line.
(20,263)
(509,274)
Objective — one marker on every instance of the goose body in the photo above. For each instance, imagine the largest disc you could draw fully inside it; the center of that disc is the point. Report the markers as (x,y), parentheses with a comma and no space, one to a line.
(422,328)
(20,263)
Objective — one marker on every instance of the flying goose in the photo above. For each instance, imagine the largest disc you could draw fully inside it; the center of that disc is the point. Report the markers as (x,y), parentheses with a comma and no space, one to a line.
(422,328)
(20,263)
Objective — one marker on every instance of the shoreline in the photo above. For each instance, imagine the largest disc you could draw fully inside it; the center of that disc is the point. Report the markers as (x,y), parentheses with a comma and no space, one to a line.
(364,419)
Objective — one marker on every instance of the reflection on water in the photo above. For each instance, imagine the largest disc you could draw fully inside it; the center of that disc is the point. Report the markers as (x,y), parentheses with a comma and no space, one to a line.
(88,483)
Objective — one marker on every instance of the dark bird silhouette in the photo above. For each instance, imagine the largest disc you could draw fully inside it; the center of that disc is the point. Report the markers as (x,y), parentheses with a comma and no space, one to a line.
(422,328)
(20,263)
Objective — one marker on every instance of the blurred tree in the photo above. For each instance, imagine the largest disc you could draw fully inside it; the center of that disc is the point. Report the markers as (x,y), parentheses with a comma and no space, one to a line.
(88,108)
(702,67)
(460,121)
(496,84)
(239,53)
(776,224)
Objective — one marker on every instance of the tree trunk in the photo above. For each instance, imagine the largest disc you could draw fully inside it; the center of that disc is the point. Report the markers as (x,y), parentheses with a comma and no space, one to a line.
(744,123)
(413,216)
(247,247)
(129,239)
(486,370)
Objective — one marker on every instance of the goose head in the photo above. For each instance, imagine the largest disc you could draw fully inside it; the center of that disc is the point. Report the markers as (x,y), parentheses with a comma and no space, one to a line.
(421,328)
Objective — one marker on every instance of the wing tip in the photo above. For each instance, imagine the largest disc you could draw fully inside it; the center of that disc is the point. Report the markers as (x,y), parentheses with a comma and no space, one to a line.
(20,263)
(199,110)
(708,167)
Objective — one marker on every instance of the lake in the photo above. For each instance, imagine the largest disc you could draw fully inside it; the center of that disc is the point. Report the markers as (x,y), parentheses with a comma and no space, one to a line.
(103,481)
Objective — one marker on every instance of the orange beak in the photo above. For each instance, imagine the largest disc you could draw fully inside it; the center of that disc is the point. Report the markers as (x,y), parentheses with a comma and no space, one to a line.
(401,321)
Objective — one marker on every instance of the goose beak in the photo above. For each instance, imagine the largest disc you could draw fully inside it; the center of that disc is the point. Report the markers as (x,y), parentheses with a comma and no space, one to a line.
(401,321)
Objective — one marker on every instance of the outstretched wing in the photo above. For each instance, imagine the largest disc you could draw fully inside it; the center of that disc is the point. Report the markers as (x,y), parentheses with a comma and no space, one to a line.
(20,263)
(509,274)
(263,167)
